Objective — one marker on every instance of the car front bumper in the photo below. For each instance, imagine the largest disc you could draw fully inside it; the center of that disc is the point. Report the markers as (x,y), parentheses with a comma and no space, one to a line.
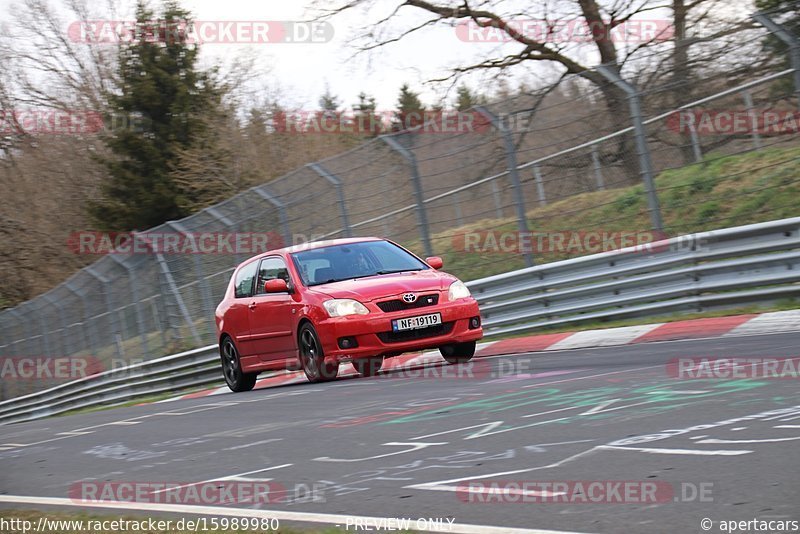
(374,337)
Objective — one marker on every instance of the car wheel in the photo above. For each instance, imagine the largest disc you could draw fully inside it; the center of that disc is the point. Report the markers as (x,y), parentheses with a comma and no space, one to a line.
(312,358)
(458,352)
(232,370)
(368,366)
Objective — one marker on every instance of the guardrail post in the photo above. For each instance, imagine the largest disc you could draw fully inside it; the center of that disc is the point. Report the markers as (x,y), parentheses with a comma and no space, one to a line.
(642,149)
(287,235)
(598,170)
(422,216)
(791,40)
(337,183)
(513,172)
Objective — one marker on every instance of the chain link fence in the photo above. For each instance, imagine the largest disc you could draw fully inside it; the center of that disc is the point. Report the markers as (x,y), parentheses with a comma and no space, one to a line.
(593,154)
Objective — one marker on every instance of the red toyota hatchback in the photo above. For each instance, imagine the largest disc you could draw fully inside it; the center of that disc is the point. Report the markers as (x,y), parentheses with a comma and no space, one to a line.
(361,300)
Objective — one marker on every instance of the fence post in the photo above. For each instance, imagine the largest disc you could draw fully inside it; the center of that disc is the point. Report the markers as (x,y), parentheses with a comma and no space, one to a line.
(698,153)
(134,284)
(23,325)
(61,319)
(172,287)
(205,291)
(498,204)
(790,39)
(422,216)
(513,172)
(214,212)
(598,170)
(90,339)
(642,149)
(287,235)
(112,322)
(751,112)
(337,183)
(457,209)
(537,176)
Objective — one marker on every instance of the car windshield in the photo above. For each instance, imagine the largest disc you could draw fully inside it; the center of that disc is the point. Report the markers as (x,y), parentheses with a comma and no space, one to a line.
(354,260)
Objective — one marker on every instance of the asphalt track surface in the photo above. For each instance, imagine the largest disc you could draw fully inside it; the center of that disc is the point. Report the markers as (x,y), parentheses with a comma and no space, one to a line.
(405,445)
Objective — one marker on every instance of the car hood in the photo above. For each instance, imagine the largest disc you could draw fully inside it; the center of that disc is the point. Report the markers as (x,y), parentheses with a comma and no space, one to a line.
(387,285)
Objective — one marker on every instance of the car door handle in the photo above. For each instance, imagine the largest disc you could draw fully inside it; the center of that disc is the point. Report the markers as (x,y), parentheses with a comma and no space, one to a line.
(252,305)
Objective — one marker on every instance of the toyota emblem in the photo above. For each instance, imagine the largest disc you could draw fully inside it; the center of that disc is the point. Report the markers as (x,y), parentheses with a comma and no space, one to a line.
(408,298)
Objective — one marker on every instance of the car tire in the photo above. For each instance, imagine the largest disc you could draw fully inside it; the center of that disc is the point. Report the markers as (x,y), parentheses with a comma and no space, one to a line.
(312,358)
(232,368)
(368,366)
(458,352)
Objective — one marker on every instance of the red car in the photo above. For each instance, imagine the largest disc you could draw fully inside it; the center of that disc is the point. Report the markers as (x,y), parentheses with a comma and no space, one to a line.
(316,305)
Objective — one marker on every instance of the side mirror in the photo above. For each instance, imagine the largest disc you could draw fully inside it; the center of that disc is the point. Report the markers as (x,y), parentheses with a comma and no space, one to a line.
(276,285)
(435,262)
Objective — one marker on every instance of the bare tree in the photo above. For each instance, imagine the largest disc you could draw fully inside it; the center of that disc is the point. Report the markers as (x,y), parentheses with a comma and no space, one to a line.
(669,50)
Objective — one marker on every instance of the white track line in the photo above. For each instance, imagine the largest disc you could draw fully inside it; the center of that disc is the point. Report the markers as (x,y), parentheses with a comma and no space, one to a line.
(281,515)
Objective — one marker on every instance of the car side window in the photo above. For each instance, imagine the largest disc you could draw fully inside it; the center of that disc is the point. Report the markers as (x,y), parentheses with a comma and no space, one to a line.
(243,285)
(270,269)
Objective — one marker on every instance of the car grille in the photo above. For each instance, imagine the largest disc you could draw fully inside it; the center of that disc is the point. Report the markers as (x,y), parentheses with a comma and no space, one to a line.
(420,333)
(398,305)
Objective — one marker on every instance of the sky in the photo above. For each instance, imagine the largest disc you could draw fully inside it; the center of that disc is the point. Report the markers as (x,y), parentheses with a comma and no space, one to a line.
(299,73)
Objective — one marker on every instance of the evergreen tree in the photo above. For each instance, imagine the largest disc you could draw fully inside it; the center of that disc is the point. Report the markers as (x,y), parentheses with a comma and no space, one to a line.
(466,99)
(364,114)
(410,111)
(164,94)
(328,102)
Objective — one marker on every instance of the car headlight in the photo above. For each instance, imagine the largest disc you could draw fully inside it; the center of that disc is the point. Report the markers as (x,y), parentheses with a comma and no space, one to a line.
(342,307)
(458,291)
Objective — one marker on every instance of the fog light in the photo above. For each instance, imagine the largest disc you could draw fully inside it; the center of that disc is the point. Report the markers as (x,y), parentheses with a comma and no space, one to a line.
(347,342)
(475,322)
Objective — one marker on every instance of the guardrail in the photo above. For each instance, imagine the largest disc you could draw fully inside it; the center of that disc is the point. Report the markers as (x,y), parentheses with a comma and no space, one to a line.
(753,263)
(720,268)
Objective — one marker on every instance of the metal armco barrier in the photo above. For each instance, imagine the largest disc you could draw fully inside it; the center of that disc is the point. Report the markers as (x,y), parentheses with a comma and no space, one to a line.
(756,263)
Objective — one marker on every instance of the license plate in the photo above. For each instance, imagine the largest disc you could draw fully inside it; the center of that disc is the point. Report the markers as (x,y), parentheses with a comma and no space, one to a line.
(420,321)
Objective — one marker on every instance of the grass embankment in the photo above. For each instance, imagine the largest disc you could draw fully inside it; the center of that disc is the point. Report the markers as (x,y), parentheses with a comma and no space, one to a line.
(717,193)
